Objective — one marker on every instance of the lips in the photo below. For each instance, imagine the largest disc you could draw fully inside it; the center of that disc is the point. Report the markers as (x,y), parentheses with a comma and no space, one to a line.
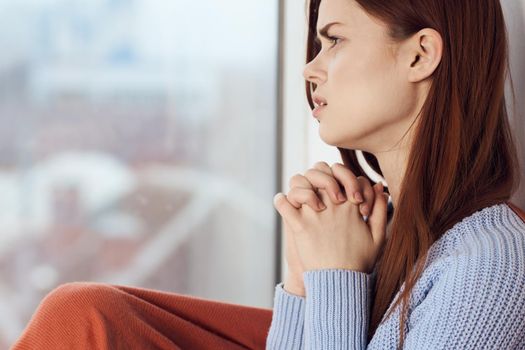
(317,110)
(319,100)
(320,104)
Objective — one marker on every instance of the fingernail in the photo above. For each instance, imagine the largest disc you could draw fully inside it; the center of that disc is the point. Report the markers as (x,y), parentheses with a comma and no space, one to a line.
(364,209)
(358,197)
(341,197)
(321,206)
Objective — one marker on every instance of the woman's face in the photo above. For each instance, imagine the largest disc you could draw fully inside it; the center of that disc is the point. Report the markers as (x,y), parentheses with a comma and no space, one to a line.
(364,79)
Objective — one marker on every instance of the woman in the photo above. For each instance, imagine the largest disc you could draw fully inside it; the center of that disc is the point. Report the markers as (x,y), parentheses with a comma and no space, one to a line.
(418,87)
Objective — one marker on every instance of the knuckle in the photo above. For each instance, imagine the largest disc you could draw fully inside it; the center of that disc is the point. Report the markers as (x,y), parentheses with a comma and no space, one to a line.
(344,171)
(310,175)
(366,186)
(368,190)
(322,165)
(340,166)
(364,180)
(310,172)
(318,178)
(292,192)
(295,179)
(293,195)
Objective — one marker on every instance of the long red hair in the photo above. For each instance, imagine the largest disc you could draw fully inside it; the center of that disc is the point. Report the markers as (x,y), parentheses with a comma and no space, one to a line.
(466,157)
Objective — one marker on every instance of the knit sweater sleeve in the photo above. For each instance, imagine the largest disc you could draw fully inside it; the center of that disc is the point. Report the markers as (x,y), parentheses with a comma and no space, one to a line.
(337,308)
(286,329)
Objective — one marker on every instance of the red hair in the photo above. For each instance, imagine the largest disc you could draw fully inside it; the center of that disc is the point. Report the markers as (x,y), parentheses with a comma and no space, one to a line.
(466,156)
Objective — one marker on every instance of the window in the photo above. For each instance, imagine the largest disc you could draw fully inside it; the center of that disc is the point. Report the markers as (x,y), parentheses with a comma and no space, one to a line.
(138,147)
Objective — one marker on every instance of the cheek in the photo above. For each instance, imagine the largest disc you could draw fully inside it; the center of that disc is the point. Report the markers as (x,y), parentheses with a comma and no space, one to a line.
(368,89)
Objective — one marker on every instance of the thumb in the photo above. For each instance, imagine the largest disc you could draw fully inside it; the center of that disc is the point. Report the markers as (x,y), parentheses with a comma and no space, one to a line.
(378,217)
(287,211)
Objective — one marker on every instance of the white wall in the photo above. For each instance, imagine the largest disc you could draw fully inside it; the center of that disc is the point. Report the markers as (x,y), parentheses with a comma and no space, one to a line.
(514,11)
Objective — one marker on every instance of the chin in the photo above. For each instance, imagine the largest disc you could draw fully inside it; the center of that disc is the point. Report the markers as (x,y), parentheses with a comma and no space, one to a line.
(338,139)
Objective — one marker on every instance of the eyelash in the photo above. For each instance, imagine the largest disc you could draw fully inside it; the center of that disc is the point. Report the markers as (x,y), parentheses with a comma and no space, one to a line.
(332,38)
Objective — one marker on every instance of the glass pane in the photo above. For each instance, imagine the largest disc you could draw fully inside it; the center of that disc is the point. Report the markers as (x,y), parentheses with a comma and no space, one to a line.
(137,147)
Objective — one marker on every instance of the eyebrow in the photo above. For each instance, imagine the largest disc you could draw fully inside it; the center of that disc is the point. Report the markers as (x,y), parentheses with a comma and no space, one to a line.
(324,30)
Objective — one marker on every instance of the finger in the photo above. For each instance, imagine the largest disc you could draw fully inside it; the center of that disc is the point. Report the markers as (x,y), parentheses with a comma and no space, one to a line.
(324,167)
(287,211)
(369,196)
(320,179)
(298,196)
(351,185)
(298,180)
(378,218)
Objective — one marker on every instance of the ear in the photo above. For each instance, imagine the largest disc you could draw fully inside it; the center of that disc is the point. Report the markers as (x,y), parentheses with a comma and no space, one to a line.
(425,51)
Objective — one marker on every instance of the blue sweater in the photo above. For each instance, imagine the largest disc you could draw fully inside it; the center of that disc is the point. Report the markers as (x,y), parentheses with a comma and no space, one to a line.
(471,295)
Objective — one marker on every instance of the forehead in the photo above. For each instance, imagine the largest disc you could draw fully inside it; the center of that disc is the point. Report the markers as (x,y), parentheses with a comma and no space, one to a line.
(352,17)
(335,11)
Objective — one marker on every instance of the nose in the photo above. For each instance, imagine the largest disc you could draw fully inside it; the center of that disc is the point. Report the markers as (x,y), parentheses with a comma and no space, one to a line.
(313,73)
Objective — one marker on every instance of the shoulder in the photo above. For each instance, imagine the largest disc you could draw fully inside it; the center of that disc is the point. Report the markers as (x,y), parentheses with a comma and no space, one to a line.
(496,233)
(489,255)
(482,278)
(484,252)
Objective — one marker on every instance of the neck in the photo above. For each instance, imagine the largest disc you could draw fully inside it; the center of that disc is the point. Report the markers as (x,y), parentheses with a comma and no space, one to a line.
(392,164)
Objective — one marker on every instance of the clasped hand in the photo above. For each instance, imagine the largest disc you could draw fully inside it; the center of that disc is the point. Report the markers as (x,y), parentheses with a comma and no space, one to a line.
(329,232)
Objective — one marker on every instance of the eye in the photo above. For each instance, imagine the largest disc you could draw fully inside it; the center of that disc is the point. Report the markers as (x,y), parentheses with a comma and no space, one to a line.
(332,39)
